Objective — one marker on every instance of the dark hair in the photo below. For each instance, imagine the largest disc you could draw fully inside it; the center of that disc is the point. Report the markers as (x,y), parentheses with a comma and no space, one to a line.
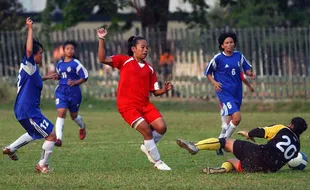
(71,42)
(225,35)
(300,125)
(132,41)
(36,46)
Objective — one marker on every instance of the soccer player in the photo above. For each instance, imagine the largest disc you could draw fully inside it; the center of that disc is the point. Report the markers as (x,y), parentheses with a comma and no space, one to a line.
(68,93)
(226,68)
(137,80)
(225,118)
(27,104)
(283,145)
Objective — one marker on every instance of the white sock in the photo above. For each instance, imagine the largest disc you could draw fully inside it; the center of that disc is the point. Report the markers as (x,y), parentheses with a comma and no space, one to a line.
(230,130)
(59,127)
(150,146)
(156,136)
(224,124)
(223,131)
(21,141)
(78,120)
(46,152)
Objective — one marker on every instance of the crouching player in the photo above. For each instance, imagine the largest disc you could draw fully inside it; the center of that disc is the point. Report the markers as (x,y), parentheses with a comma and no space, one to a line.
(283,145)
(27,104)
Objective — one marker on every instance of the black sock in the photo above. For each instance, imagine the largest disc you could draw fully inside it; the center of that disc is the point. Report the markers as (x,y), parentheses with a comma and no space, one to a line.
(222,142)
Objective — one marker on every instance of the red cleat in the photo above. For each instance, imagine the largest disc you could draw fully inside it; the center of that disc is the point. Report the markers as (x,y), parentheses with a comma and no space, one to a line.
(12,155)
(82,133)
(43,169)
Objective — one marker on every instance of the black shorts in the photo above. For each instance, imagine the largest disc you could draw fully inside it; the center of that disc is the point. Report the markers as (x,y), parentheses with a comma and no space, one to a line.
(252,156)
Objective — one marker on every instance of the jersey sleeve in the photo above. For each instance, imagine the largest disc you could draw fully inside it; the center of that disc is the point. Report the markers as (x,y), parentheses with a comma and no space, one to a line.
(245,63)
(153,82)
(81,71)
(211,67)
(28,65)
(118,61)
(271,131)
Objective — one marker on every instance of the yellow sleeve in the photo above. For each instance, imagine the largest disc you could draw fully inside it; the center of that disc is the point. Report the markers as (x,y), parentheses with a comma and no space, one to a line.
(271,131)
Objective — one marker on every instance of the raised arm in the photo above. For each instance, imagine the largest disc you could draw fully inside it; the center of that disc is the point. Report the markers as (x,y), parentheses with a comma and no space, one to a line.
(29,42)
(101,32)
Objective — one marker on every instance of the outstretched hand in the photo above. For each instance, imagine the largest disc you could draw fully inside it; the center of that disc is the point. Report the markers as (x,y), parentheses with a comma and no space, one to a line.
(168,86)
(246,135)
(101,32)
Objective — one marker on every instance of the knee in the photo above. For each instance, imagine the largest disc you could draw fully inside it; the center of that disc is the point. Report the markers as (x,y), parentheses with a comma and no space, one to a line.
(162,129)
(51,137)
(73,116)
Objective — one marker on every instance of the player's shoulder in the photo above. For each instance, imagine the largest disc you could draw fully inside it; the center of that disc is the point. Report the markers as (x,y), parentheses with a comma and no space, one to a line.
(217,56)
(237,53)
(120,56)
(150,66)
(77,61)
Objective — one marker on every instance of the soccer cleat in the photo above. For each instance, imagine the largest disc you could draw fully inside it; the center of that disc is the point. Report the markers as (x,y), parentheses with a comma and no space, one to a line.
(213,170)
(162,166)
(219,152)
(142,147)
(82,133)
(189,146)
(58,143)
(43,169)
(12,155)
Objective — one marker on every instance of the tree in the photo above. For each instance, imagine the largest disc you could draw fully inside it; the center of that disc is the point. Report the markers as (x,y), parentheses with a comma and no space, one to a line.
(198,17)
(265,13)
(9,19)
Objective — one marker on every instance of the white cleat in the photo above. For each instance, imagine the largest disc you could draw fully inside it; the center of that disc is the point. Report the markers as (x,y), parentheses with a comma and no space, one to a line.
(142,147)
(162,166)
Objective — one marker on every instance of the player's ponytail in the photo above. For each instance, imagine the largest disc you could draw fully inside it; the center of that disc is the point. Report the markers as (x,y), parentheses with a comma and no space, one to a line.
(132,41)
(130,44)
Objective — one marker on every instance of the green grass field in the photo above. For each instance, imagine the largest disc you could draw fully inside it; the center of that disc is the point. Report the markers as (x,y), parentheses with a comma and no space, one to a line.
(110,157)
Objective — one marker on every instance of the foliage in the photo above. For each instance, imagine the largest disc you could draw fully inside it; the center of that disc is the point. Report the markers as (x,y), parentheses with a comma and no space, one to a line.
(198,17)
(9,20)
(263,13)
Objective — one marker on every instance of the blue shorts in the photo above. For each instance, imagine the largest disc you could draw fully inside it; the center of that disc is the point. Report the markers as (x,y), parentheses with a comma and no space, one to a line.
(37,127)
(229,107)
(69,97)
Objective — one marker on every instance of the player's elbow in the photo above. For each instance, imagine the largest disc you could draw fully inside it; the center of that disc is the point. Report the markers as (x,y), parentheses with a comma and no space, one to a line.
(101,59)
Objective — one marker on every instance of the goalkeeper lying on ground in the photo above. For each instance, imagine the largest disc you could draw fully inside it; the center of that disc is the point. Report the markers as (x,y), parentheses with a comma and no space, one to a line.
(283,145)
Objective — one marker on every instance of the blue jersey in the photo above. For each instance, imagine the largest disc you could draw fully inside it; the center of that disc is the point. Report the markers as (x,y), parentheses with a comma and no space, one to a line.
(29,86)
(226,70)
(73,70)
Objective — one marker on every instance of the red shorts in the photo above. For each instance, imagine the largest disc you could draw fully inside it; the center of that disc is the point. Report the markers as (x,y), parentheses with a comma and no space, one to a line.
(132,114)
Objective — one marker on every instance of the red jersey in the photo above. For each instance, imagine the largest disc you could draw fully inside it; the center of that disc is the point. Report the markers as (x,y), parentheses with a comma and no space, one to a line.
(137,80)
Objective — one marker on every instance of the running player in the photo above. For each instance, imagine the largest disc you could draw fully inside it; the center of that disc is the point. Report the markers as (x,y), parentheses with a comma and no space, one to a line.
(283,145)
(27,105)
(226,68)
(226,118)
(68,93)
(137,80)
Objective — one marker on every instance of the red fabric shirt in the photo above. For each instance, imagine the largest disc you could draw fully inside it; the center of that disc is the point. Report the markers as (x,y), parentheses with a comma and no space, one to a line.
(135,82)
